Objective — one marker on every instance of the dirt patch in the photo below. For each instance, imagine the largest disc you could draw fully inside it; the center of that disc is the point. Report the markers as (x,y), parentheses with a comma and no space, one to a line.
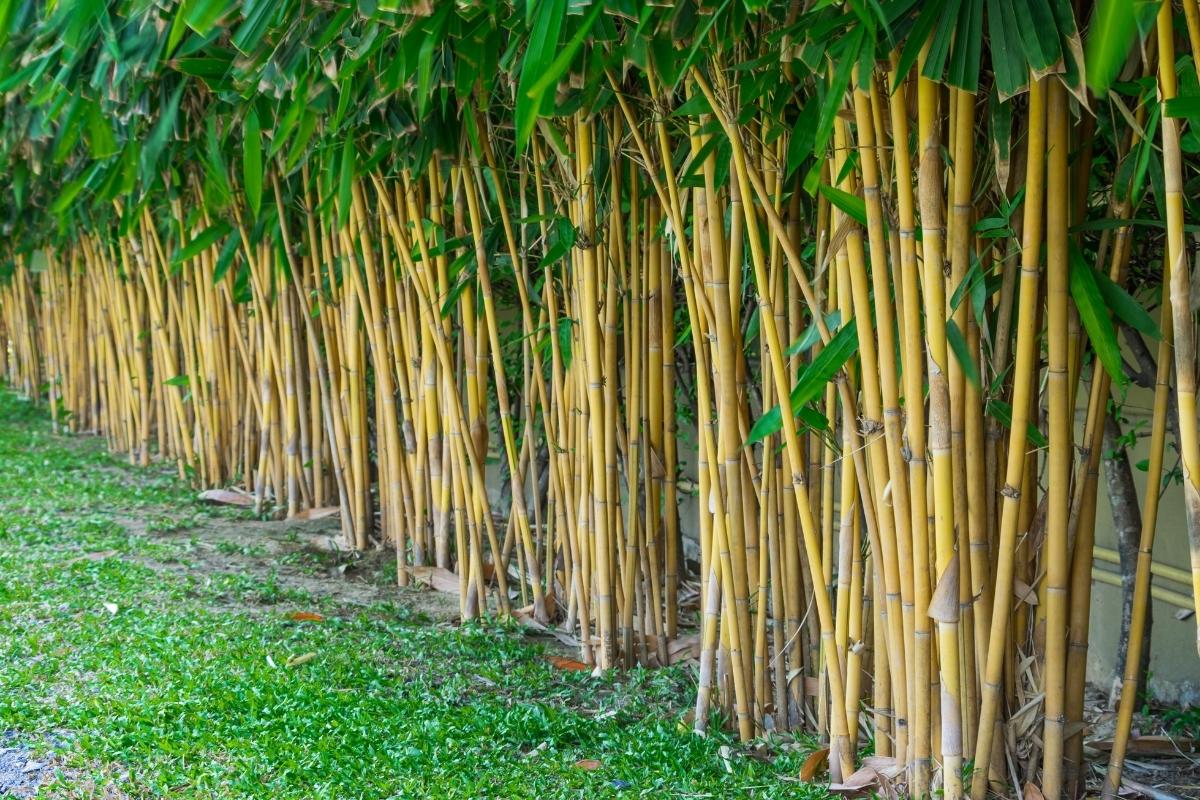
(296,555)
(21,773)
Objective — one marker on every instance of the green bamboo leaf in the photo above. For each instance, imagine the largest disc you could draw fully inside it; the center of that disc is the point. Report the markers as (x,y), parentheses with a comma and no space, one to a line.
(1126,309)
(100,139)
(968,43)
(543,39)
(202,241)
(252,163)
(559,65)
(1008,63)
(811,382)
(962,353)
(346,182)
(851,205)
(1002,412)
(1094,315)
(153,146)
(67,195)
(202,15)
(1183,108)
(837,90)
(1110,36)
(812,335)
(225,259)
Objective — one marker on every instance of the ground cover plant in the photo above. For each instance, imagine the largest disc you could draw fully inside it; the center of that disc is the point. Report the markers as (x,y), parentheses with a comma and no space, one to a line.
(152,675)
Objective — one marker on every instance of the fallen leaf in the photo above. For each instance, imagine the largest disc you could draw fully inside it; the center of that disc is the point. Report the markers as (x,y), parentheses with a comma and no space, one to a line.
(683,649)
(227,497)
(886,766)
(589,764)
(436,578)
(726,754)
(306,616)
(100,556)
(317,513)
(1151,745)
(875,771)
(527,611)
(537,751)
(814,763)
(1032,792)
(296,661)
(568,664)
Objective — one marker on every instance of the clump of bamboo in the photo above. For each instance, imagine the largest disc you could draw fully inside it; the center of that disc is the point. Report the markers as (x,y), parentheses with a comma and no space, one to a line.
(746,351)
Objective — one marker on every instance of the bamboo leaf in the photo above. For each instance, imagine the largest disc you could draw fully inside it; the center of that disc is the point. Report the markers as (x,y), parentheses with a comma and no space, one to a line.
(850,204)
(346,182)
(202,241)
(812,335)
(252,165)
(1094,315)
(543,39)
(1126,309)
(558,67)
(811,382)
(157,141)
(1110,35)
(1002,412)
(962,353)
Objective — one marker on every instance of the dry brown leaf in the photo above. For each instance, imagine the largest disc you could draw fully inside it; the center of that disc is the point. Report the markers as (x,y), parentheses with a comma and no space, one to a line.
(1152,745)
(1024,592)
(1032,792)
(296,661)
(306,616)
(683,648)
(589,764)
(527,611)
(568,664)
(227,497)
(886,766)
(814,763)
(875,771)
(317,513)
(857,782)
(437,578)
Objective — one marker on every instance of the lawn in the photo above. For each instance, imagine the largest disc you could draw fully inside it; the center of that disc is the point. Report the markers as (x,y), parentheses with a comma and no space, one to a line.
(138,670)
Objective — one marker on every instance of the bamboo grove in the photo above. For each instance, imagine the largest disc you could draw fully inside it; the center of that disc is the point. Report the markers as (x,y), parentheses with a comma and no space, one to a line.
(787,330)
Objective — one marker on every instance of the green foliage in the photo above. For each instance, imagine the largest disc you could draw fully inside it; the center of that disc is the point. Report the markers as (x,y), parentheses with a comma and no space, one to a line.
(811,384)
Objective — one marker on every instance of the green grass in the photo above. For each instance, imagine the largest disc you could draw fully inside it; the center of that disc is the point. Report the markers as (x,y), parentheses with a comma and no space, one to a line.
(185,692)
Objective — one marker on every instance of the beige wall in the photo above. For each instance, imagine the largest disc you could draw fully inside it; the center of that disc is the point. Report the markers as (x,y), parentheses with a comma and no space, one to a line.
(1174,662)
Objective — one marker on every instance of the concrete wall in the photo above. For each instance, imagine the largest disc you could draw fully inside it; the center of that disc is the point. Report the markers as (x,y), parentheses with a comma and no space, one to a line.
(1174,662)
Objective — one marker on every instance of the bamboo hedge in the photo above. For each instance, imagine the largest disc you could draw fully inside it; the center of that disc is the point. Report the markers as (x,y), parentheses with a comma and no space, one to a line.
(508,283)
